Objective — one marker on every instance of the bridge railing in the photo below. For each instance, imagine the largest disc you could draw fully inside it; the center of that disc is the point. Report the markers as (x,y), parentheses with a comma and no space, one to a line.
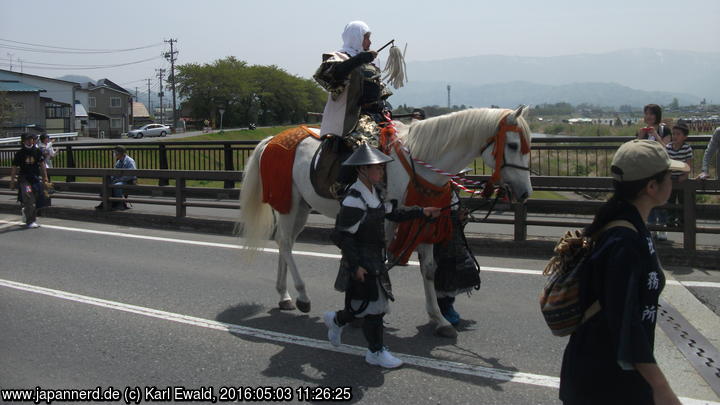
(578,212)
(550,156)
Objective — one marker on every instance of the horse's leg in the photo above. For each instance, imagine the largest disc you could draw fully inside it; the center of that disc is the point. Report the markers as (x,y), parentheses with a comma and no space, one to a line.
(286,302)
(427,269)
(289,227)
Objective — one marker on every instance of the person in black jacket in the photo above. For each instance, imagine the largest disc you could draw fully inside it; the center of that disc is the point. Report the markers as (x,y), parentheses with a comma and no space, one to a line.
(360,234)
(30,162)
(609,358)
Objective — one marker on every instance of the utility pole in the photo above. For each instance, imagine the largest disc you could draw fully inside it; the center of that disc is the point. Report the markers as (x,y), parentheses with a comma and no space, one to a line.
(136,97)
(149,106)
(160,73)
(448,89)
(171,57)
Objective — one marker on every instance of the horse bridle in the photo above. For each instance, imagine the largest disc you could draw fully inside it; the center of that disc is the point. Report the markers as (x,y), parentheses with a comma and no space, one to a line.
(499,141)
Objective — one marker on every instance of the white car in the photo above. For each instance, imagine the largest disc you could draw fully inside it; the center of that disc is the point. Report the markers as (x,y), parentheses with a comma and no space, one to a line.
(149,130)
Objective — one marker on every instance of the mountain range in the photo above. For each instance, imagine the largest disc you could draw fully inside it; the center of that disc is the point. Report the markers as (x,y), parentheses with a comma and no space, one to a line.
(634,76)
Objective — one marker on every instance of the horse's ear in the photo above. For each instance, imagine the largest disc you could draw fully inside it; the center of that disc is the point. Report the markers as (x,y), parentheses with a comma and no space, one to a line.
(512,118)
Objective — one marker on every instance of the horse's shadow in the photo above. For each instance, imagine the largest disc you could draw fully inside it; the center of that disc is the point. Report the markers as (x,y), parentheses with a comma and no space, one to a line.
(332,369)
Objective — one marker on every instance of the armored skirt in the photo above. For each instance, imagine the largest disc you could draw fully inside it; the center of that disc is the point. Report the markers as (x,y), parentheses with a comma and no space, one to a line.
(360,234)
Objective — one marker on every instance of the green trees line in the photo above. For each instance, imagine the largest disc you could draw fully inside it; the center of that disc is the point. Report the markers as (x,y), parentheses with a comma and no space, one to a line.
(266,95)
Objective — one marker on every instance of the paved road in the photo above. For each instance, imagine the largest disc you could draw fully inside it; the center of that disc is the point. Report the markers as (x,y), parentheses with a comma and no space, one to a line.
(179,135)
(102,305)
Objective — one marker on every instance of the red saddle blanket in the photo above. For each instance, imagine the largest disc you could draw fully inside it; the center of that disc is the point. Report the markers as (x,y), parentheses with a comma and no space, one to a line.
(421,193)
(276,166)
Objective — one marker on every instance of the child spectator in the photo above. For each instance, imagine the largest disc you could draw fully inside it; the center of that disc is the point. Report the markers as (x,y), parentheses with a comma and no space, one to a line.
(678,149)
(46,147)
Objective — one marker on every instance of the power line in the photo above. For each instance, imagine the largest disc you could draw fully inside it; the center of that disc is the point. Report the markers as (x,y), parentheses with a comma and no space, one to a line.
(52,66)
(61,49)
(88,66)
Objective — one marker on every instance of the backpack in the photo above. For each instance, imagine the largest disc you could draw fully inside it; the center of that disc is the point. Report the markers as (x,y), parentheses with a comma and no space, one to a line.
(560,298)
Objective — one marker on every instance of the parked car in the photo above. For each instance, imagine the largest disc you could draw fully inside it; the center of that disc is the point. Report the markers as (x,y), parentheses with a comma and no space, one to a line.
(149,130)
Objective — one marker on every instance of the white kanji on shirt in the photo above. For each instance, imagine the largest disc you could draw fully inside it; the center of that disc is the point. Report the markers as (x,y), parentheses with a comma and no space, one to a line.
(653,281)
(651,246)
(649,313)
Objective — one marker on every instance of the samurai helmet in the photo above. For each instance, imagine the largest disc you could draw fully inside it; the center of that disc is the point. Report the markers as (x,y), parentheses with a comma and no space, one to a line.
(365,155)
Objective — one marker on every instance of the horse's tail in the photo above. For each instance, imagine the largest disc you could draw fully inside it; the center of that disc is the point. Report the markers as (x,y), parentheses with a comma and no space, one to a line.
(255,222)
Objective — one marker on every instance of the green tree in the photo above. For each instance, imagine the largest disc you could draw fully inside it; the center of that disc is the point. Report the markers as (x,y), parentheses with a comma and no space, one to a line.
(267,95)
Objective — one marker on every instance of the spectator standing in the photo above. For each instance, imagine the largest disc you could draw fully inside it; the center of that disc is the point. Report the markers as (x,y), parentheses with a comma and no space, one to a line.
(712,149)
(610,357)
(680,150)
(122,161)
(46,147)
(29,161)
(655,129)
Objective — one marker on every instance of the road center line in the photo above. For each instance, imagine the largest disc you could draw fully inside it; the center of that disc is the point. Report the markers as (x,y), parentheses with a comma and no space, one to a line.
(707,284)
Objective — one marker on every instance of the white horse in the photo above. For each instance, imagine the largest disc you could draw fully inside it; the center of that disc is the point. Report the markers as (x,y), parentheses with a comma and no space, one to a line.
(450,143)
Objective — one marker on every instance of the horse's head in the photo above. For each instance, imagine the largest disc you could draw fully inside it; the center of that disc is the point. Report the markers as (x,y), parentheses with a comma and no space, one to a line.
(508,153)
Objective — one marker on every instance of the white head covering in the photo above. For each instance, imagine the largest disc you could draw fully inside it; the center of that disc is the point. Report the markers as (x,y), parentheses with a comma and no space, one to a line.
(353,36)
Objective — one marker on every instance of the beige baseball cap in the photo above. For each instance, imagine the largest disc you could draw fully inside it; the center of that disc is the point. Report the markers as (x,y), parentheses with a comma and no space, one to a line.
(640,159)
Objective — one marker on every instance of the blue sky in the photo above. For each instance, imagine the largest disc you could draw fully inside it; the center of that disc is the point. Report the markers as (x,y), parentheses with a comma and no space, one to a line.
(293,34)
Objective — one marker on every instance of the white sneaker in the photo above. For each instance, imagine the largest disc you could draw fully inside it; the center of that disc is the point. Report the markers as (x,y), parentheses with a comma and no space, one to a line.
(334,331)
(33,225)
(24,218)
(383,358)
(662,235)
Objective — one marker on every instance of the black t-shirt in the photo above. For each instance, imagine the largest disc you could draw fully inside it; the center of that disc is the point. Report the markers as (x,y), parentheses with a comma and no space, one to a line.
(626,277)
(28,160)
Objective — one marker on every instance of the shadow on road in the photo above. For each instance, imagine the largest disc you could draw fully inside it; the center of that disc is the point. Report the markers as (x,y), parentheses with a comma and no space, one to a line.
(311,367)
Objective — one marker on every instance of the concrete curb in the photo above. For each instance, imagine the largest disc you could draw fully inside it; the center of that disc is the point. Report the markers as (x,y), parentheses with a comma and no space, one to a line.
(481,244)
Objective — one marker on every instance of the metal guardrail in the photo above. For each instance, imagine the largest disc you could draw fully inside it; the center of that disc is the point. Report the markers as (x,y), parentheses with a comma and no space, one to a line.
(67,136)
(180,192)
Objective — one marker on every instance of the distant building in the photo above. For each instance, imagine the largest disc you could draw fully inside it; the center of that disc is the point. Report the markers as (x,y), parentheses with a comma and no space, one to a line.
(109,109)
(55,104)
(140,114)
(21,107)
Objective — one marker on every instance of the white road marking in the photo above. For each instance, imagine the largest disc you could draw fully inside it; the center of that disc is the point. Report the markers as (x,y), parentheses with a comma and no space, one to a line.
(442,365)
(707,284)
(417,361)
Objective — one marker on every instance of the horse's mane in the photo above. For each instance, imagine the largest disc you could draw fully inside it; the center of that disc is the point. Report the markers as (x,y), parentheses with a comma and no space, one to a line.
(467,129)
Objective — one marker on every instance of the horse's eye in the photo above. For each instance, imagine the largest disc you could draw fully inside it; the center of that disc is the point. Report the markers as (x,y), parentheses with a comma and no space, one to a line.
(513,146)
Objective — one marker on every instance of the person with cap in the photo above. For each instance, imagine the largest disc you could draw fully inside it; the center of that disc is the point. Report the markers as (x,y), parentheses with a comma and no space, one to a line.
(609,359)
(360,234)
(712,149)
(30,162)
(122,161)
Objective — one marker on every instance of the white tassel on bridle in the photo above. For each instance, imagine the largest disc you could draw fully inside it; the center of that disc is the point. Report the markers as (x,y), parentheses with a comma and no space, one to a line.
(395,68)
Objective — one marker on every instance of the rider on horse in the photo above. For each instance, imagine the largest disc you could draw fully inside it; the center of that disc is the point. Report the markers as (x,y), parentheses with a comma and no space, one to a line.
(356,106)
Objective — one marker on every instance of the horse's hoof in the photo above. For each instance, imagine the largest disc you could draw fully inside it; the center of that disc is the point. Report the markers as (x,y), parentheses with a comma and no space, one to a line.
(446,331)
(303,306)
(286,305)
